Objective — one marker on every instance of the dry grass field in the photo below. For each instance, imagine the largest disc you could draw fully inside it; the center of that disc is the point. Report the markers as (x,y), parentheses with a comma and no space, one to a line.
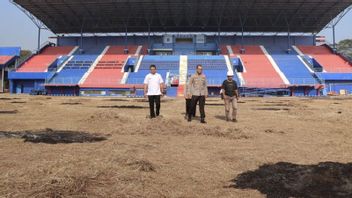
(281,147)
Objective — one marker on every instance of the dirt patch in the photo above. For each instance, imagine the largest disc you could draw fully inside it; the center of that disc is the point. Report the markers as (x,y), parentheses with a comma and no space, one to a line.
(123,107)
(274,131)
(173,127)
(142,165)
(10,98)
(50,136)
(117,100)
(214,104)
(71,103)
(284,180)
(106,116)
(230,133)
(272,109)
(18,102)
(277,105)
(9,112)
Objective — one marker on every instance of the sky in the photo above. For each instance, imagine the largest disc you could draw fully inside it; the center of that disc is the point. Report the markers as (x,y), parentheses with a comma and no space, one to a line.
(16,29)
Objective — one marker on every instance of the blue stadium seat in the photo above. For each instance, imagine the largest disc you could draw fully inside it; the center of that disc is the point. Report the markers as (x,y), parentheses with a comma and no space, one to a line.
(292,67)
(164,65)
(214,68)
(74,70)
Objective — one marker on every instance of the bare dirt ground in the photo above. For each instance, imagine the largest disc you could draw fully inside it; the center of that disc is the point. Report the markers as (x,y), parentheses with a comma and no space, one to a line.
(281,147)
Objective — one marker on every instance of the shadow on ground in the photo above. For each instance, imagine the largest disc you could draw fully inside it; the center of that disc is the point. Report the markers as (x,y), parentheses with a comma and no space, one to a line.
(50,136)
(284,180)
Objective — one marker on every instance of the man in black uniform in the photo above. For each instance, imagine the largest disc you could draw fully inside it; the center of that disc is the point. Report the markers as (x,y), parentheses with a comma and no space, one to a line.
(230,93)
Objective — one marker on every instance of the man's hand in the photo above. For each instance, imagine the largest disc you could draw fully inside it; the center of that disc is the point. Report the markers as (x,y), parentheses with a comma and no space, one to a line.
(145,95)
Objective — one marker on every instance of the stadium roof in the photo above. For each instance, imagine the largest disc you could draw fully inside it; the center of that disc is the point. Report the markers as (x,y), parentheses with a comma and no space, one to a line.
(108,16)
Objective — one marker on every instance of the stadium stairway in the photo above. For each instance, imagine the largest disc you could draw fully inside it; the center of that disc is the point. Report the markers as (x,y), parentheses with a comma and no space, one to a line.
(259,71)
(108,72)
(331,62)
(295,70)
(42,61)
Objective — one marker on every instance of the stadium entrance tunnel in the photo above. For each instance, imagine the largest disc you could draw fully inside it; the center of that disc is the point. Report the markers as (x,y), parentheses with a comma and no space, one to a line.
(50,136)
(284,180)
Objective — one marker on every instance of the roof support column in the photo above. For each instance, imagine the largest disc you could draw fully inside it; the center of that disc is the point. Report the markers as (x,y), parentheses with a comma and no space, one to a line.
(149,45)
(39,36)
(288,41)
(126,40)
(242,50)
(81,44)
(219,41)
(334,38)
(242,43)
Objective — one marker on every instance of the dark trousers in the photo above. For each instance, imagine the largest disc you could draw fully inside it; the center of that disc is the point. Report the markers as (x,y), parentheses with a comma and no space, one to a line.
(195,100)
(154,100)
(189,108)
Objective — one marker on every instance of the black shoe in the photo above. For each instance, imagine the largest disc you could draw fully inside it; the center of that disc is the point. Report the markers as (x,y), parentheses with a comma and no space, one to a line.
(234,120)
(203,121)
(189,119)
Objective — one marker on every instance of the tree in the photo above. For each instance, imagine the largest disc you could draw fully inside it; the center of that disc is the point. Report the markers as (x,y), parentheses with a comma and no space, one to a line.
(345,47)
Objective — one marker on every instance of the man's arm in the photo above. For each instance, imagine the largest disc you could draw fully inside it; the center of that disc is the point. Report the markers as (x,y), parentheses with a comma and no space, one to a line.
(162,86)
(145,86)
(189,89)
(206,87)
(145,90)
(237,94)
(223,89)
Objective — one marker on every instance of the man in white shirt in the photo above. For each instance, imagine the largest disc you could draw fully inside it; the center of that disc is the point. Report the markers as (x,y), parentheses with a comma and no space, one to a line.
(153,89)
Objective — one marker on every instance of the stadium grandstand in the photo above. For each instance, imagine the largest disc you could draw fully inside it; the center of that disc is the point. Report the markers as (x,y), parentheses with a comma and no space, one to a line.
(105,48)
(8,57)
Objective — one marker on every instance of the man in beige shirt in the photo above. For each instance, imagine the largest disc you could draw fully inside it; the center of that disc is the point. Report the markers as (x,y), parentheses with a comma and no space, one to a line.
(188,100)
(198,91)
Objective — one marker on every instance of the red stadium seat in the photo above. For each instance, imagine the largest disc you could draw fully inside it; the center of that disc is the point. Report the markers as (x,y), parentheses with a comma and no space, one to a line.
(41,62)
(331,62)
(107,73)
(260,73)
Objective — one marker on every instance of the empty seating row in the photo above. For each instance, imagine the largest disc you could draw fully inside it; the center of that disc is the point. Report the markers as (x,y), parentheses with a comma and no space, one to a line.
(41,62)
(214,68)
(259,72)
(164,64)
(108,72)
(70,74)
(327,59)
(292,67)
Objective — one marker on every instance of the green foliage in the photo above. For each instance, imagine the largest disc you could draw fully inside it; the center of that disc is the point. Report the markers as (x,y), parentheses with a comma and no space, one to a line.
(345,47)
